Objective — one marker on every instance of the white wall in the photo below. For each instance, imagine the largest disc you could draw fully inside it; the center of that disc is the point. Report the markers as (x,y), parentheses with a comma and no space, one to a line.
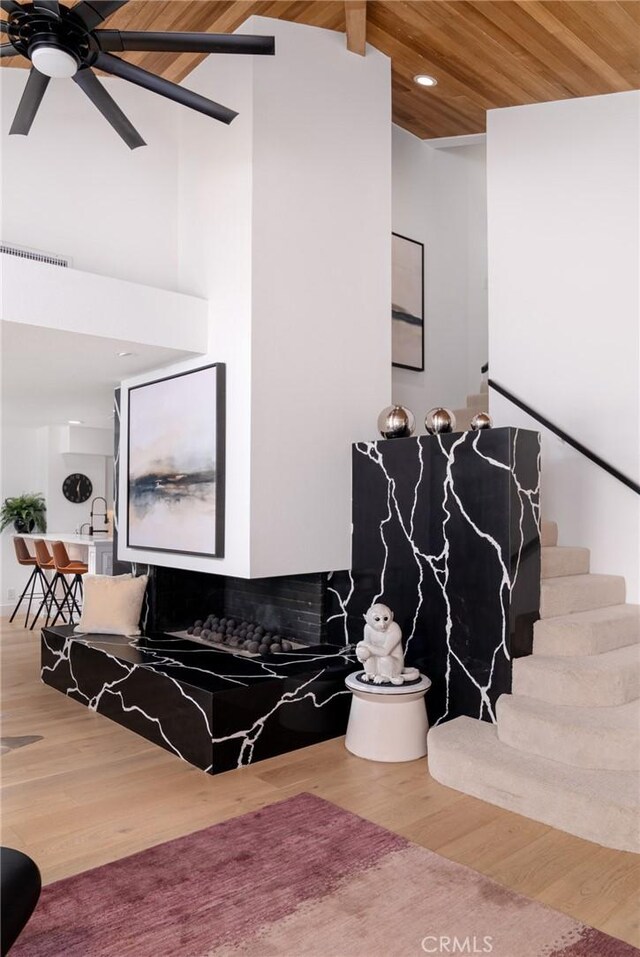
(24,471)
(439,198)
(321,291)
(285,226)
(80,440)
(33,461)
(62,515)
(74,188)
(564,308)
(215,204)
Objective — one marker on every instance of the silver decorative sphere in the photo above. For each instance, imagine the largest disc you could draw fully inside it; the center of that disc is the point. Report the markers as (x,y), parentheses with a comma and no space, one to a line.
(439,420)
(481,420)
(396,422)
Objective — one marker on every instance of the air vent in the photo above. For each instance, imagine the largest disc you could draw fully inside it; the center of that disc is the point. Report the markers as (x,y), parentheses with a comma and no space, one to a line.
(34,254)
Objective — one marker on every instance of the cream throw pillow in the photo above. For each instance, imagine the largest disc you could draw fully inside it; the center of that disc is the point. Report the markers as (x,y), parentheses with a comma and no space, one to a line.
(112,604)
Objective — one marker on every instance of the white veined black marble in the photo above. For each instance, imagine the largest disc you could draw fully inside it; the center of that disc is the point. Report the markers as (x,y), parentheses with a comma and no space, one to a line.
(211,708)
(446,532)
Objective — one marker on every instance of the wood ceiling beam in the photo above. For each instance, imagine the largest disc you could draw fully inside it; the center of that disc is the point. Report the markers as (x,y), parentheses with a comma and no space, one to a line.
(355,13)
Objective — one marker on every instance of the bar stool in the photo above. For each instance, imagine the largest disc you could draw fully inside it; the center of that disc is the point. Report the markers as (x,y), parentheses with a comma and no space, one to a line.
(27,560)
(64,568)
(49,599)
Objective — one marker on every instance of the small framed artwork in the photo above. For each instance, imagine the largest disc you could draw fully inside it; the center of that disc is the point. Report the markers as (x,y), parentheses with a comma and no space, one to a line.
(407,303)
(175,480)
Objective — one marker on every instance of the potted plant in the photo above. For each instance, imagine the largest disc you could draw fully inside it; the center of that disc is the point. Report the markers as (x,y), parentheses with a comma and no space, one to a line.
(25,512)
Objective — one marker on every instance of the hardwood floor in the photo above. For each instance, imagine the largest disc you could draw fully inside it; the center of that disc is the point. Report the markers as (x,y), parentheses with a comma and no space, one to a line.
(90,792)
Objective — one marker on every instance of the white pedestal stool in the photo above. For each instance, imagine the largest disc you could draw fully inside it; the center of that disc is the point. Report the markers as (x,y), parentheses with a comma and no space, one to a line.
(387,722)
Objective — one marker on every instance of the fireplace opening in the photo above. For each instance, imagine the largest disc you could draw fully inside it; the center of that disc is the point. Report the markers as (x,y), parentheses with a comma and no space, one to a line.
(289,609)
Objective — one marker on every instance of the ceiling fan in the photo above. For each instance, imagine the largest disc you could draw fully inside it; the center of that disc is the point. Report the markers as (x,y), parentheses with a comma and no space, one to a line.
(62,41)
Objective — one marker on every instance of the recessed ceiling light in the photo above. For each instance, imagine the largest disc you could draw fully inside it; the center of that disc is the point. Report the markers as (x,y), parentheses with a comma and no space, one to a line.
(121,355)
(423,79)
(74,421)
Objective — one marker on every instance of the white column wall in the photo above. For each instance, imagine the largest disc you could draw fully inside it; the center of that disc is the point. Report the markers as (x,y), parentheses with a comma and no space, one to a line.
(564,305)
(321,364)
(215,202)
(285,226)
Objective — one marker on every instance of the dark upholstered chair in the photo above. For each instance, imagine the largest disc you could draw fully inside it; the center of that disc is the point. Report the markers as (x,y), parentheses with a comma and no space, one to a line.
(20,885)
(24,558)
(66,569)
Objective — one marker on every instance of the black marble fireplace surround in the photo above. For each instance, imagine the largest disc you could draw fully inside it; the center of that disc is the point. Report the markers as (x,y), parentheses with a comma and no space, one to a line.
(446,532)
(213,709)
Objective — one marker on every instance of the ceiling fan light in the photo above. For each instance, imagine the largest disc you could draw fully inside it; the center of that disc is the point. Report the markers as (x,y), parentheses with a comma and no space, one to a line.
(423,79)
(53,62)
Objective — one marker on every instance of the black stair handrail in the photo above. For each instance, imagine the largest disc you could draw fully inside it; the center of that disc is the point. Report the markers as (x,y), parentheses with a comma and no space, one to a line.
(578,446)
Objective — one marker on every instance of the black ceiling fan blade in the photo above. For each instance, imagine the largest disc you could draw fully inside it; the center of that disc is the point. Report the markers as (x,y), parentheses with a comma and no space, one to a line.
(51,6)
(4,26)
(93,13)
(29,102)
(157,84)
(7,49)
(120,40)
(10,6)
(91,85)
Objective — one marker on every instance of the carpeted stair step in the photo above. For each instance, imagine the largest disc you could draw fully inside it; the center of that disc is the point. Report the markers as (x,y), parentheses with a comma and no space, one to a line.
(478,401)
(587,632)
(463,419)
(562,560)
(607,738)
(548,534)
(563,596)
(600,681)
(601,806)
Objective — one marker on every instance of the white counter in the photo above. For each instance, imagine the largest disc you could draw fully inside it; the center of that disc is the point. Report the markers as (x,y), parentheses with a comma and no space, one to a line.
(95,550)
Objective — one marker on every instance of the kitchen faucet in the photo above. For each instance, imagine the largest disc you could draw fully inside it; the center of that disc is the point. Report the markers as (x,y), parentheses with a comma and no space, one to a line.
(93,514)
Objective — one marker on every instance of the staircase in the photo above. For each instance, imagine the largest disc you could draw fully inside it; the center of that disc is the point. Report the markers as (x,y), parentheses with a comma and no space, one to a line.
(479,402)
(566,746)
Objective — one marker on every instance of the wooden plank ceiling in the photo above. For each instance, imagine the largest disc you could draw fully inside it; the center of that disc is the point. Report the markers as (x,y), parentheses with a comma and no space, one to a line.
(484,53)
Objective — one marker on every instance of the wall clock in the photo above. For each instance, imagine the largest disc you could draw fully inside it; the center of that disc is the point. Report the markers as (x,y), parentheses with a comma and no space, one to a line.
(77,488)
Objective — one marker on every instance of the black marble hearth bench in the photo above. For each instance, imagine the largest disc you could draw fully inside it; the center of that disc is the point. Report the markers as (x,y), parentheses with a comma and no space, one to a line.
(215,709)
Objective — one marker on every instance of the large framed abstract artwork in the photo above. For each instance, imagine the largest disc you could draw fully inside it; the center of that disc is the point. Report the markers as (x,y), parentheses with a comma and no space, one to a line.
(176,463)
(407,303)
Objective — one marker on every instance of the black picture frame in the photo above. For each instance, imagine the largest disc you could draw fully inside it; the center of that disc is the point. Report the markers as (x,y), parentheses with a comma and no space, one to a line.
(220,466)
(413,319)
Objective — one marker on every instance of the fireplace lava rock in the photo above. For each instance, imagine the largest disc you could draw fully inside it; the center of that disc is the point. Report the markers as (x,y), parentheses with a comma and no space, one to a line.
(243,635)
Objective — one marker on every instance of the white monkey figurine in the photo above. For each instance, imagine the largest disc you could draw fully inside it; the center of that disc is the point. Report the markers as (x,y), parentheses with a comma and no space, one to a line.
(380,651)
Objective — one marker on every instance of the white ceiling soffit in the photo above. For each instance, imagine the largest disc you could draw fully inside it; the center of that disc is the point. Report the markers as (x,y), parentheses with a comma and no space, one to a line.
(40,294)
(50,376)
(453,142)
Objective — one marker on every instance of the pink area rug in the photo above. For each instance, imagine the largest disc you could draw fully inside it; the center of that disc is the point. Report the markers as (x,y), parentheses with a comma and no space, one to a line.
(301,878)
